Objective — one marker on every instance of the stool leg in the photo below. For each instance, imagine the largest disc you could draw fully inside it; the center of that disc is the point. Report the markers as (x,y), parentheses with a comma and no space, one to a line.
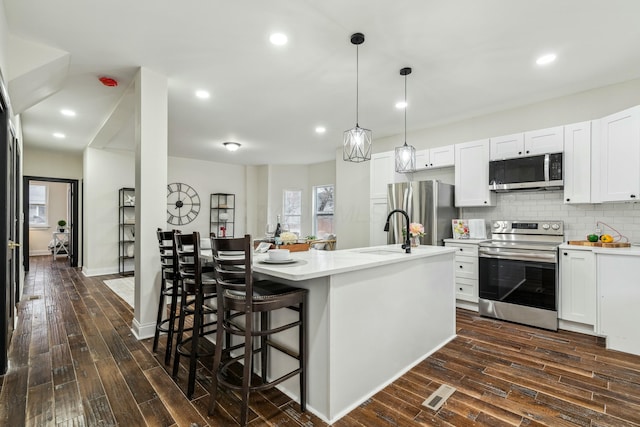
(217,358)
(264,350)
(176,359)
(195,335)
(247,370)
(172,320)
(302,337)
(156,337)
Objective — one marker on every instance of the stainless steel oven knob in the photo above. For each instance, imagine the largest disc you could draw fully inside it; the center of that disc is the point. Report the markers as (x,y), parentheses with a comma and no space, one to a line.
(555,226)
(496,225)
(545,226)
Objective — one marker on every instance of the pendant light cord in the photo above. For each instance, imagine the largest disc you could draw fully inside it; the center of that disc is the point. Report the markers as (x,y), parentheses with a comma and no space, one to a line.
(357,81)
(405,109)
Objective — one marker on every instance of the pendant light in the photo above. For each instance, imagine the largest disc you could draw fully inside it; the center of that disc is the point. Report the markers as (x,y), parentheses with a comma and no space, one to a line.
(406,154)
(357,141)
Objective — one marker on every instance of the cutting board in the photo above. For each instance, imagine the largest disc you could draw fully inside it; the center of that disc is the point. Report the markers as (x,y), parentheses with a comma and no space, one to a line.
(599,244)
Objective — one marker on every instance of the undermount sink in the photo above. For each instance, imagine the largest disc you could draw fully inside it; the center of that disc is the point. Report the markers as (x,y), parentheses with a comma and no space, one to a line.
(378,251)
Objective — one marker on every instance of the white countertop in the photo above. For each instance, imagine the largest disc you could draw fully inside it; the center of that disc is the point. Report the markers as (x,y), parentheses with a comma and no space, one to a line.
(467,241)
(632,251)
(314,263)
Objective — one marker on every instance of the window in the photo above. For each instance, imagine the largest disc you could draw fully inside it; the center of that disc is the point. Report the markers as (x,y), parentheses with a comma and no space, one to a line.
(38,206)
(323,210)
(292,211)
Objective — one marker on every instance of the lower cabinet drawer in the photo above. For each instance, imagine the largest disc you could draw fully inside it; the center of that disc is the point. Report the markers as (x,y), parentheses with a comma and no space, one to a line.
(467,290)
(466,267)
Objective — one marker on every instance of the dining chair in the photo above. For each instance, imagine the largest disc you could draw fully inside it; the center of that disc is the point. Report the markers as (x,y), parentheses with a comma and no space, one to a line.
(240,297)
(198,292)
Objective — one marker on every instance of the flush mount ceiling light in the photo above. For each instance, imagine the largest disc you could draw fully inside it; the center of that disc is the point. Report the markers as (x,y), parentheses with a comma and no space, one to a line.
(67,112)
(406,154)
(546,59)
(278,39)
(59,135)
(357,141)
(321,129)
(231,146)
(202,94)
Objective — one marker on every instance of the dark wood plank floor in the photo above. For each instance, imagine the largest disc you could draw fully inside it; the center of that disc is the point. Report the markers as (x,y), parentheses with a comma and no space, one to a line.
(74,362)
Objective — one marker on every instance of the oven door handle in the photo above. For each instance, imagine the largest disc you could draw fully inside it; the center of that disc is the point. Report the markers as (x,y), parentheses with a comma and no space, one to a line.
(520,256)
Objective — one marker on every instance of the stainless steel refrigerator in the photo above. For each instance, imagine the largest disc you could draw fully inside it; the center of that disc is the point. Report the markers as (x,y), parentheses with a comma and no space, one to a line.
(430,203)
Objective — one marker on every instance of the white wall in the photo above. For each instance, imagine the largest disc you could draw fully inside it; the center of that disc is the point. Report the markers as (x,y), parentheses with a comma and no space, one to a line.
(353,179)
(52,164)
(208,178)
(4,42)
(39,237)
(105,172)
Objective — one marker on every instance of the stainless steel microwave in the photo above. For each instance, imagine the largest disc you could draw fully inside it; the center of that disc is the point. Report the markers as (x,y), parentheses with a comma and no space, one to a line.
(534,172)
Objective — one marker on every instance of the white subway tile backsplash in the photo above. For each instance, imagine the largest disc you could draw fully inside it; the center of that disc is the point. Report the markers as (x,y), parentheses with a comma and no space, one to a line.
(579,220)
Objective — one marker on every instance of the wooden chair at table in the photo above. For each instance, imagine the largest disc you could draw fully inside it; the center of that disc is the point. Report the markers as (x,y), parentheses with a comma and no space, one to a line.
(169,288)
(198,289)
(232,260)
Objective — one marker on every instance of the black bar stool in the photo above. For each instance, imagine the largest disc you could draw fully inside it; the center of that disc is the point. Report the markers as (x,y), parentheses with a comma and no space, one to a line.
(232,260)
(198,289)
(169,288)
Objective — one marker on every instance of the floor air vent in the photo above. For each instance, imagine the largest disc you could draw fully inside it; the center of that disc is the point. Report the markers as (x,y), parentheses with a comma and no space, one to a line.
(437,399)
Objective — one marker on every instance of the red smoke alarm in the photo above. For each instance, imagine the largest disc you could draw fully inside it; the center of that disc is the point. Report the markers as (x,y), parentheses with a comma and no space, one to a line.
(108,81)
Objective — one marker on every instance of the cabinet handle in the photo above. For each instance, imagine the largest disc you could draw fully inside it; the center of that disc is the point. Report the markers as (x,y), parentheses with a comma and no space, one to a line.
(485,202)
(461,249)
(460,266)
(460,288)
(633,196)
(565,254)
(519,153)
(527,151)
(568,200)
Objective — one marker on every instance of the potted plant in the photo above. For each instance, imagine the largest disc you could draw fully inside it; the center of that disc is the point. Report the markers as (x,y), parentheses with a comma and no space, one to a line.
(61,225)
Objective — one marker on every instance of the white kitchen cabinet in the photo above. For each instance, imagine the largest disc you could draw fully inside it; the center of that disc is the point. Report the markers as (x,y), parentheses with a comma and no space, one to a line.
(578,286)
(381,174)
(466,272)
(472,174)
(438,157)
(577,163)
(507,146)
(542,141)
(378,215)
(619,299)
(616,157)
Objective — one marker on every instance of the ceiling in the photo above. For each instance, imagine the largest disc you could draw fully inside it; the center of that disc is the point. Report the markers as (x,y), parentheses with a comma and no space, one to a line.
(469,58)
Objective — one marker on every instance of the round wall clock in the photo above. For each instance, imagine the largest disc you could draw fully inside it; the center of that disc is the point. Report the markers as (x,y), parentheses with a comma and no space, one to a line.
(183,203)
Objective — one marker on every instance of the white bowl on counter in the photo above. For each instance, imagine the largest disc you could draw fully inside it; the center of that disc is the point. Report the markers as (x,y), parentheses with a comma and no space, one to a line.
(279,254)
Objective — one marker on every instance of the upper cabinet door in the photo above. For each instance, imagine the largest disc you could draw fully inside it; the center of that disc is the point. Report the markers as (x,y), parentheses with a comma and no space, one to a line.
(381,174)
(544,141)
(472,174)
(507,147)
(441,157)
(577,163)
(616,155)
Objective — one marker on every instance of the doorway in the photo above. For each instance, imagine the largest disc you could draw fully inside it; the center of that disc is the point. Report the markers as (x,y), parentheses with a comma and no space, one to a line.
(9,226)
(46,201)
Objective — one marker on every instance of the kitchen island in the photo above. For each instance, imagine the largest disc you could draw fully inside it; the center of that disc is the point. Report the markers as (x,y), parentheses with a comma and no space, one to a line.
(373,313)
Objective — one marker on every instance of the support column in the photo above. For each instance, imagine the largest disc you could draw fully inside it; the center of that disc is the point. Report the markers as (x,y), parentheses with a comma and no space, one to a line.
(151,135)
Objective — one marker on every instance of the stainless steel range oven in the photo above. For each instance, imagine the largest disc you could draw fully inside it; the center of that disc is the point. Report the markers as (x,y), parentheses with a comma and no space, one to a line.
(518,278)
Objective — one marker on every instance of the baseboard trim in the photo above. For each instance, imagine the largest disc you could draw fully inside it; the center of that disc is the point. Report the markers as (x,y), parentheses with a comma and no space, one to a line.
(90,272)
(143,331)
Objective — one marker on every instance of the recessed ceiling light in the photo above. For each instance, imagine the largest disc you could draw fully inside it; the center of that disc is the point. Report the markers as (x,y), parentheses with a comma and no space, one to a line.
(321,129)
(231,146)
(546,59)
(59,135)
(278,39)
(67,112)
(202,94)
(401,105)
